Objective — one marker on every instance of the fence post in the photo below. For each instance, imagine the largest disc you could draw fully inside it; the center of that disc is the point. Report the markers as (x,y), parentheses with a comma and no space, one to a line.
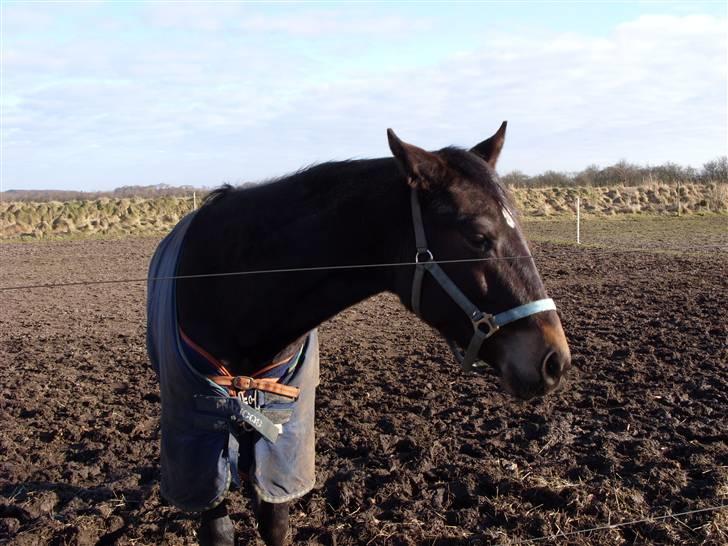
(578,220)
(194,200)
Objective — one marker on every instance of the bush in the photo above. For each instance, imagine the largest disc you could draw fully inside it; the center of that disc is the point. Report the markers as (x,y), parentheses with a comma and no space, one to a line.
(716,170)
(624,174)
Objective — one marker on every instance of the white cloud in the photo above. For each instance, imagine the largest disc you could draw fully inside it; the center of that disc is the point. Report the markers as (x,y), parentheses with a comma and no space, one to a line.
(206,104)
(313,24)
(283,19)
(648,92)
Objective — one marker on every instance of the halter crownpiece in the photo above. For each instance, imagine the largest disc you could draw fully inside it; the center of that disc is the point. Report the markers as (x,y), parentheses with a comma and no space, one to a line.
(484,324)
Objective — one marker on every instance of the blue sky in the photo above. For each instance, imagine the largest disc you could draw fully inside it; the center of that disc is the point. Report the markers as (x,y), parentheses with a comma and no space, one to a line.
(103,94)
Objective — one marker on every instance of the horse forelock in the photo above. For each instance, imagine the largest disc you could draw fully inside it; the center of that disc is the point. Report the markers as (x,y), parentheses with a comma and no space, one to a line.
(474,170)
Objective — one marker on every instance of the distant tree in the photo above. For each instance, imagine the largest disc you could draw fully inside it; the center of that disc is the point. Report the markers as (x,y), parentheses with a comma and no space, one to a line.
(553,178)
(149,192)
(621,172)
(669,172)
(716,170)
(587,177)
(516,179)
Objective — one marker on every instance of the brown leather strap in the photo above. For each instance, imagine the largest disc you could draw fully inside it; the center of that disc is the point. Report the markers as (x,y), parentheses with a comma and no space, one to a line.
(244,383)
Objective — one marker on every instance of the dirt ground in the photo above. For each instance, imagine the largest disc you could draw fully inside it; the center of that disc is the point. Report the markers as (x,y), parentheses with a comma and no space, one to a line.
(410,451)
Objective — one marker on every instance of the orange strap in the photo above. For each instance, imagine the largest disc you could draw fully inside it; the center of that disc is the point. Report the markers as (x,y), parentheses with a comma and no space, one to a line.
(244,383)
(241,382)
(219,366)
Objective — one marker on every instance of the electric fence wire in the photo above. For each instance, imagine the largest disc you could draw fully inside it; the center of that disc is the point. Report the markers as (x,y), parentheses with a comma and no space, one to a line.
(335,267)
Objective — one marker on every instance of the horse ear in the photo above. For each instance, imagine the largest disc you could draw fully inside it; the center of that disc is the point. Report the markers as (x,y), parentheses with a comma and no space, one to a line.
(423,169)
(491,148)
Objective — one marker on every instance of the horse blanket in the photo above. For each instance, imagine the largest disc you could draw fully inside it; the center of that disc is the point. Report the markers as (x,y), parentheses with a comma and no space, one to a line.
(207,435)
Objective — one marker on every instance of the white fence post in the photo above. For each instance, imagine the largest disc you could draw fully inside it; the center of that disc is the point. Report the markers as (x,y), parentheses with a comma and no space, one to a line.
(194,200)
(578,220)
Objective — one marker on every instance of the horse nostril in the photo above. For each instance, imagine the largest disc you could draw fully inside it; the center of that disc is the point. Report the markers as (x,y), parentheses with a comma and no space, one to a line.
(552,367)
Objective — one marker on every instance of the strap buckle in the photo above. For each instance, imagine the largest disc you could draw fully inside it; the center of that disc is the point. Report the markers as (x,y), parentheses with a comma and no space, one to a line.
(485,319)
(423,252)
(242,383)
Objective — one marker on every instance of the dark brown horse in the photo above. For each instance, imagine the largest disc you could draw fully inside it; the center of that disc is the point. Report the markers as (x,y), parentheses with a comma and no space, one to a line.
(486,298)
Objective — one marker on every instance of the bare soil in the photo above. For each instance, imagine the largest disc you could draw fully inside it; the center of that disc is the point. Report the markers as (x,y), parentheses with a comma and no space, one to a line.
(410,451)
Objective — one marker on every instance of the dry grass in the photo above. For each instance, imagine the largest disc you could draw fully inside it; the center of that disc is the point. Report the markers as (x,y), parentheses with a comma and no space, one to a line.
(650,198)
(142,216)
(106,217)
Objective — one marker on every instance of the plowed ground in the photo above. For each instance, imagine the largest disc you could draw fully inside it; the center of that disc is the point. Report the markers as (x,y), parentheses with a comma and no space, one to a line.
(410,451)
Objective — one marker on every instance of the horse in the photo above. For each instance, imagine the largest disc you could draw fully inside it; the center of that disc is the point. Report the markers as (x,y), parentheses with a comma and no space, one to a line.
(260,267)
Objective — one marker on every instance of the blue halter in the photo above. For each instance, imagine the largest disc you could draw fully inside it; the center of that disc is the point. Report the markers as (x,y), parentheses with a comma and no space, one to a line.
(484,324)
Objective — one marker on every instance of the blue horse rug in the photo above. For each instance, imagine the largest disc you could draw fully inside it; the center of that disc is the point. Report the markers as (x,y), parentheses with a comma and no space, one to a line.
(207,434)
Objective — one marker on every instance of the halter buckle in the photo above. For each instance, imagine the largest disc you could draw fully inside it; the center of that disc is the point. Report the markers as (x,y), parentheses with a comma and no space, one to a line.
(484,318)
(427,254)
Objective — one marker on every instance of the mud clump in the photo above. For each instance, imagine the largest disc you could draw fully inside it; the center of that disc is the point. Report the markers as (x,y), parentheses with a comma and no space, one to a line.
(410,451)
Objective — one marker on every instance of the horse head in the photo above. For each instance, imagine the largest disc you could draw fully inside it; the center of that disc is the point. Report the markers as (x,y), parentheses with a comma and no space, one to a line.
(476,281)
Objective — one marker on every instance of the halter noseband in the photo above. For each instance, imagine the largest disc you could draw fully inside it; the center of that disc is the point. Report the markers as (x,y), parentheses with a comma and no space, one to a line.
(425,261)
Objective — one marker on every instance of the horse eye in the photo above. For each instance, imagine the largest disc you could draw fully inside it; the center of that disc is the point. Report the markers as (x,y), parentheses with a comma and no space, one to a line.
(482,242)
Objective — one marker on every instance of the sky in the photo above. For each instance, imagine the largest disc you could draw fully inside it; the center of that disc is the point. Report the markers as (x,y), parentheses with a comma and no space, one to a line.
(96,95)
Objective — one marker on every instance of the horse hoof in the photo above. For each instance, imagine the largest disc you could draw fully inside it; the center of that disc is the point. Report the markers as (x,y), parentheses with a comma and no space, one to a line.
(273,523)
(217,532)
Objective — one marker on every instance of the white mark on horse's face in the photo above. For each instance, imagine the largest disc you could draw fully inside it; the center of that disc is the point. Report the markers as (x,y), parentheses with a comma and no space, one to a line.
(509,218)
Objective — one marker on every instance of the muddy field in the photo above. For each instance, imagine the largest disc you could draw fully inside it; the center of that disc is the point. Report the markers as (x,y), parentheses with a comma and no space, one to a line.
(410,451)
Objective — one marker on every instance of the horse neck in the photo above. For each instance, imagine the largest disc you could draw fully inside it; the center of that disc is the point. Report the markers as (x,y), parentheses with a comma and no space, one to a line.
(357,215)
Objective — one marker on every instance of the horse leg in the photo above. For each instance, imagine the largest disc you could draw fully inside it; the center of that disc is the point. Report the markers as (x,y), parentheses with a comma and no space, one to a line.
(272,521)
(216,528)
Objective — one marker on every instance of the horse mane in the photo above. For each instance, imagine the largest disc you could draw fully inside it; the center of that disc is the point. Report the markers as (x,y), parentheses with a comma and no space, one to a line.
(217,193)
(318,175)
(312,179)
